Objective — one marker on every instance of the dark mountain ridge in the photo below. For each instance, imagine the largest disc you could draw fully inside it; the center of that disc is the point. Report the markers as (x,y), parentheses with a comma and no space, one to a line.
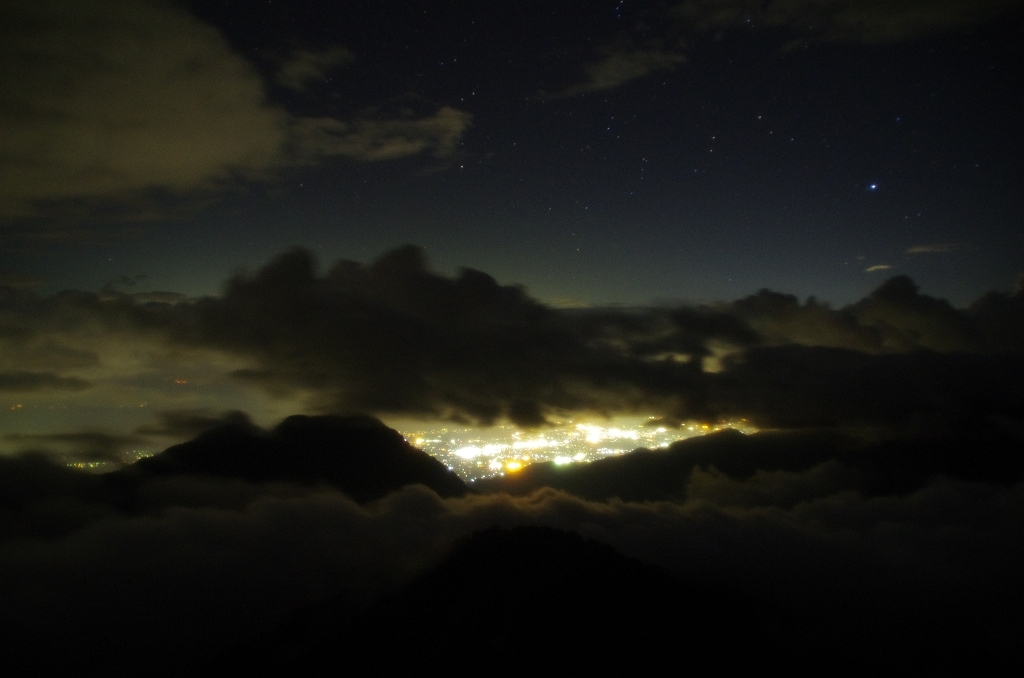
(357,455)
(892,465)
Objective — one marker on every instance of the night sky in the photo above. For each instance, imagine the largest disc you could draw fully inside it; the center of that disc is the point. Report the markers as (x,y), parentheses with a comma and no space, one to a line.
(805,215)
(622,152)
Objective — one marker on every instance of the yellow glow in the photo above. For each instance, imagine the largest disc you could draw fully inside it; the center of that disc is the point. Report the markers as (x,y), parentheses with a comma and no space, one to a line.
(513,466)
(595,434)
(534,444)
(474,451)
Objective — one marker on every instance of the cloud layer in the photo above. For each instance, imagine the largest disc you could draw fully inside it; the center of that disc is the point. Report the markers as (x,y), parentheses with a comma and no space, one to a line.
(176,582)
(393,338)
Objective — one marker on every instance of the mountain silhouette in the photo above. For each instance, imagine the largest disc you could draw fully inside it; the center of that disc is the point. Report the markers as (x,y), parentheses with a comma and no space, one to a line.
(521,599)
(355,454)
(884,466)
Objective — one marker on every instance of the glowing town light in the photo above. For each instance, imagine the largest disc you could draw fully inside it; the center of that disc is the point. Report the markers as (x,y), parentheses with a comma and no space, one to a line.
(513,466)
(495,465)
(562,461)
(534,444)
(472,451)
(594,434)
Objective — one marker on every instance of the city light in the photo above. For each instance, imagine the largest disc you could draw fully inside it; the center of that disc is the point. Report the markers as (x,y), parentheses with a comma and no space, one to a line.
(482,452)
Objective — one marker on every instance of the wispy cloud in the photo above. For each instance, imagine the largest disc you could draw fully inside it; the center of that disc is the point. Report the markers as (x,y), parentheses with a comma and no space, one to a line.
(878,267)
(856,21)
(304,67)
(937,248)
(621,66)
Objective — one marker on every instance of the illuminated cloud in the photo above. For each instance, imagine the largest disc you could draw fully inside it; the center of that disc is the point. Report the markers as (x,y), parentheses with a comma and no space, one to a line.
(859,21)
(305,67)
(110,97)
(877,267)
(937,248)
(105,101)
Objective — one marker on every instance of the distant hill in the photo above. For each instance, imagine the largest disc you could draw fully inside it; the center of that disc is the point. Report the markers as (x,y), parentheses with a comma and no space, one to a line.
(881,466)
(358,455)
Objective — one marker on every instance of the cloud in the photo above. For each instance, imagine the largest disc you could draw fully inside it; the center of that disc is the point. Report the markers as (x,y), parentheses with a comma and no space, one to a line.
(19,280)
(622,66)
(176,581)
(26,382)
(108,97)
(385,139)
(80,446)
(188,423)
(304,67)
(105,102)
(894,317)
(877,267)
(937,248)
(393,338)
(857,21)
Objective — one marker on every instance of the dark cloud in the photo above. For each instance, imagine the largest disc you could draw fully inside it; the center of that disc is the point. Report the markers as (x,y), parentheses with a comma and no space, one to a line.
(80,446)
(27,382)
(858,21)
(797,386)
(394,337)
(896,317)
(188,423)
